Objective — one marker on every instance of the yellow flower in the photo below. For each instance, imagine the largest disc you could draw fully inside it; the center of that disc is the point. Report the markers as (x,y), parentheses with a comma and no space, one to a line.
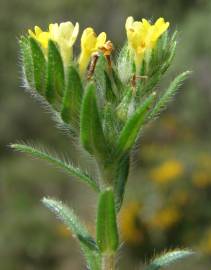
(143,35)
(167,172)
(64,34)
(41,36)
(91,43)
(165,218)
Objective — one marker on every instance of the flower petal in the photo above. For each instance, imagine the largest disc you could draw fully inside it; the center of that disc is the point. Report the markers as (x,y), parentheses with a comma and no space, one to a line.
(74,34)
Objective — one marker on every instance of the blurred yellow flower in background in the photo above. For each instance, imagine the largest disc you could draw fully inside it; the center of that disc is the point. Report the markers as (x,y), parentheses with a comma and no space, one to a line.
(130,224)
(165,218)
(169,171)
(205,244)
(64,34)
(143,35)
(201,179)
(90,43)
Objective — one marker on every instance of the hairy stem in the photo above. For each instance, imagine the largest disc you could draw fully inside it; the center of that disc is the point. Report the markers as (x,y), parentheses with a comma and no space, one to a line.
(108,262)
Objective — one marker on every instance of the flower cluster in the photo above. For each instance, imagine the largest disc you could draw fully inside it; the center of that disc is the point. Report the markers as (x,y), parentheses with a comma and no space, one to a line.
(121,83)
(142,36)
(104,101)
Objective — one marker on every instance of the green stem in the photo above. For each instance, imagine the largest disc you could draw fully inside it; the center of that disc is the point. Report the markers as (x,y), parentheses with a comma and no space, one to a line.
(108,262)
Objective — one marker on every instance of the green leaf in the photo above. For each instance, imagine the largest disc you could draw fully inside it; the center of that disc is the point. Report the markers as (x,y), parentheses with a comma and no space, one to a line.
(164,40)
(27,60)
(168,258)
(66,167)
(172,52)
(121,180)
(103,81)
(91,132)
(107,232)
(167,96)
(132,128)
(72,97)
(160,53)
(39,66)
(117,82)
(123,107)
(109,91)
(100,68)
(87,243)
(55,73)
(157,63)
(109,123)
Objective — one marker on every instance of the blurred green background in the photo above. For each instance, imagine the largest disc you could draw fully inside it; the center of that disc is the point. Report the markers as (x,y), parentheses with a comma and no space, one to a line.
(169,191)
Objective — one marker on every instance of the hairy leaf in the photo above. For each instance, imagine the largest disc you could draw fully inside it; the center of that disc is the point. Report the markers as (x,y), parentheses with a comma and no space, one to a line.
(121,180)
(169,94)
(72,97)
(91,132)
(27,60)
(66,167)
(109,91)
(55,73)
(39,66)
(168,258)
(68,217)
(132,127)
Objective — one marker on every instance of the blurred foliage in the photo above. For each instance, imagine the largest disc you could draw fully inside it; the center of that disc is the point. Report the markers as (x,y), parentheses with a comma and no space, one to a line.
(170,186)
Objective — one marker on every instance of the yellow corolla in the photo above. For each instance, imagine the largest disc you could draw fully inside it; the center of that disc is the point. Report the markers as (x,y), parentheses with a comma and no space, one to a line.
(167,172)
(143,35)
(41,36)
(64,34)
(91,43)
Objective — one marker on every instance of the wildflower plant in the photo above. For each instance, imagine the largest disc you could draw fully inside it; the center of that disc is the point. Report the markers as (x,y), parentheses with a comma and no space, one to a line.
(104,102)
